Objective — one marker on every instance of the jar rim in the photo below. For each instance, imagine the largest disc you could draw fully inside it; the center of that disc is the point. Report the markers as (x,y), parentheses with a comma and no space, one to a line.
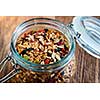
(65,60)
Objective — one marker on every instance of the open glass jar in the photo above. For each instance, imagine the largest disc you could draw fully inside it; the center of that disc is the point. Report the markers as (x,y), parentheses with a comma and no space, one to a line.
(86,31)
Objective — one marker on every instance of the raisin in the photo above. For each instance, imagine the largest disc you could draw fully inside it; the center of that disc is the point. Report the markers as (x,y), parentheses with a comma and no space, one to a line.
(49,54)
(46,30)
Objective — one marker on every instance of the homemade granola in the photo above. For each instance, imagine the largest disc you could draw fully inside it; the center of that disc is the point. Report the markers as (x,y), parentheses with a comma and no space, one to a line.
(43,46)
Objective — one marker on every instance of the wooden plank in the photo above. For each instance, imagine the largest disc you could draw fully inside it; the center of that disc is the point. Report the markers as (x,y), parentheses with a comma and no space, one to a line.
(7,26)
(88,67)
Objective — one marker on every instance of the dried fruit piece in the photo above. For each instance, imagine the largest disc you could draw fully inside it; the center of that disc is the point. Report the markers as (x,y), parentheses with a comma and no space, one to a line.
(46,30)
(47,61)
(26,57)
(36,61)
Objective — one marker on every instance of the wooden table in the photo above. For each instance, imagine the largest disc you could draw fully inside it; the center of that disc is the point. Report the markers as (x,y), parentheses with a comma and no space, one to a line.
(88,67)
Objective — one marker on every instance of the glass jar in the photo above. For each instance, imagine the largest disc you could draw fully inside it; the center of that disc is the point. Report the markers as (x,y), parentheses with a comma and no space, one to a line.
(63,70)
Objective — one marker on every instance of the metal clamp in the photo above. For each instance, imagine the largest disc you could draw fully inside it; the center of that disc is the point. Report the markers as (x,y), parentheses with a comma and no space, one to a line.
(13,72)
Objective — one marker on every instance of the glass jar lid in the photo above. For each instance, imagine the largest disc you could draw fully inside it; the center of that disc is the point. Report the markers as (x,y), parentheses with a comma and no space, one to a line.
(87,34)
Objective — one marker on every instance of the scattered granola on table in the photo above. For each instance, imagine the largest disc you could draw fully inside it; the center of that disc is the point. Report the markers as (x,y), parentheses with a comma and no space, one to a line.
(43,46)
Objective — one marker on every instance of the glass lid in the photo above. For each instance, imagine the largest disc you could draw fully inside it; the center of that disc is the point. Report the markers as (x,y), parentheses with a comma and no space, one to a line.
(87,33)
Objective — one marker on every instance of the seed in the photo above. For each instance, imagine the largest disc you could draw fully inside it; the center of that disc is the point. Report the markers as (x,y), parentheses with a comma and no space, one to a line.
(31,37)
(41,47)
(61,46)
(26,57)
(41,40)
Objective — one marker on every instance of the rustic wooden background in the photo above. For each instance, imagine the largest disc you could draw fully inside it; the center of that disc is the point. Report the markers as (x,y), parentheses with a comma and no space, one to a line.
(88,67)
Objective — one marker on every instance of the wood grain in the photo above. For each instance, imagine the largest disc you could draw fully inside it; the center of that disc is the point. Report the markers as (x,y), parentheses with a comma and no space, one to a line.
(88,67)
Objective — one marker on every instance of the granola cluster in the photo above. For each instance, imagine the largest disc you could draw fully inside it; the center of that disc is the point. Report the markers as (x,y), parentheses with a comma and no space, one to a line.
(44,46)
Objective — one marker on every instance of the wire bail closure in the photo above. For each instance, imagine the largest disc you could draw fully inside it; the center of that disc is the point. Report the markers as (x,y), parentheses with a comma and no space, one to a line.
(13,72)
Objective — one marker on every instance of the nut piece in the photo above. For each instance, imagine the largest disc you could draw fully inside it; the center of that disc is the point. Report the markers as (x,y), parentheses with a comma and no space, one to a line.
(58,56)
